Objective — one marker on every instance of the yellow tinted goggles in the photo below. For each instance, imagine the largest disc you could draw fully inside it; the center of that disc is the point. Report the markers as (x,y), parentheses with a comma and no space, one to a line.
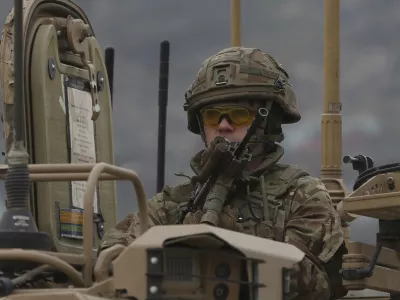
(237,115)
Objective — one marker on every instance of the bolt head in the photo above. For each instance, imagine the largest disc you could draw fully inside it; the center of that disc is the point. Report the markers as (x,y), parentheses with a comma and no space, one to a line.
(153,289)
(154,260)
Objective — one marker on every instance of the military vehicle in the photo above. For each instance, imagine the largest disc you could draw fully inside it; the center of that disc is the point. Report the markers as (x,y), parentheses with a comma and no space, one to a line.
(60,183)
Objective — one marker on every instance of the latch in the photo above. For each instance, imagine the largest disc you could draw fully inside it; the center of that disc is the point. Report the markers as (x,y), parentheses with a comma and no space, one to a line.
(77,32)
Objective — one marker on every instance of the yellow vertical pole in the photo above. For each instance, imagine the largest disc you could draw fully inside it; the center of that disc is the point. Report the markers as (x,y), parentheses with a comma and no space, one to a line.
(331,118)
(235,23)
(331,123)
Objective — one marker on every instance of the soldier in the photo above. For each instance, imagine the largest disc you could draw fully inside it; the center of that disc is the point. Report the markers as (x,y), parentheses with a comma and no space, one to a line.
(277,201)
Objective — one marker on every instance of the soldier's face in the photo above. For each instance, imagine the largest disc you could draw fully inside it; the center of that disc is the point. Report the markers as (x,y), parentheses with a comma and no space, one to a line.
(228,120)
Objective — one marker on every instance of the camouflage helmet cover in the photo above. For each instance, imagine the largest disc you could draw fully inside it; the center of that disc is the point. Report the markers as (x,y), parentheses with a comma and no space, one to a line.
(240,73)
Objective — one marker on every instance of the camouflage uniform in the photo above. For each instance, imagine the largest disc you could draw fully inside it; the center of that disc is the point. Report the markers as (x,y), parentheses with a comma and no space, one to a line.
(275,201)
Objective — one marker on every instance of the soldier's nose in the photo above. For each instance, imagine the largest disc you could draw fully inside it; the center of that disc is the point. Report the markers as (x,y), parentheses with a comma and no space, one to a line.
(225,126)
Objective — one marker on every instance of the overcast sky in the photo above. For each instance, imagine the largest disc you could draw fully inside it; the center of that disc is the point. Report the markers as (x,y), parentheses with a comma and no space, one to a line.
(292,31)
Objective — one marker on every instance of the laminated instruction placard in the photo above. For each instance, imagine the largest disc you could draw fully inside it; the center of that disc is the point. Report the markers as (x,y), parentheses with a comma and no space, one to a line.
(82,139)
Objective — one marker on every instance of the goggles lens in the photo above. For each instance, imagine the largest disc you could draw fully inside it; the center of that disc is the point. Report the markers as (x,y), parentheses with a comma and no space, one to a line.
(237,115)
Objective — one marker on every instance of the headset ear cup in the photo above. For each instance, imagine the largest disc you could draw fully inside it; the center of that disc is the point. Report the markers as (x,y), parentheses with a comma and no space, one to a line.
(274,120)
(268,106)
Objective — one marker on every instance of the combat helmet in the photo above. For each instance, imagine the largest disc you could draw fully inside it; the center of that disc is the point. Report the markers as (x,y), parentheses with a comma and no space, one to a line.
(242,73)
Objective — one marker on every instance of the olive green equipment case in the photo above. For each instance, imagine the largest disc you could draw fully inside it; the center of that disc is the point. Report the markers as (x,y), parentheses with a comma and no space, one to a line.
(68,114)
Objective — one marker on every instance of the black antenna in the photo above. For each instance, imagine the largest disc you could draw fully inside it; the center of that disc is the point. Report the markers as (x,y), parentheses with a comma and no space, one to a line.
(109,57)
(17,226)
(162,114)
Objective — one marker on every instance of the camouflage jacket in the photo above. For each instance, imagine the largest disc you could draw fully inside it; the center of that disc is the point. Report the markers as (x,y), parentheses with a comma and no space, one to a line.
(281,202)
